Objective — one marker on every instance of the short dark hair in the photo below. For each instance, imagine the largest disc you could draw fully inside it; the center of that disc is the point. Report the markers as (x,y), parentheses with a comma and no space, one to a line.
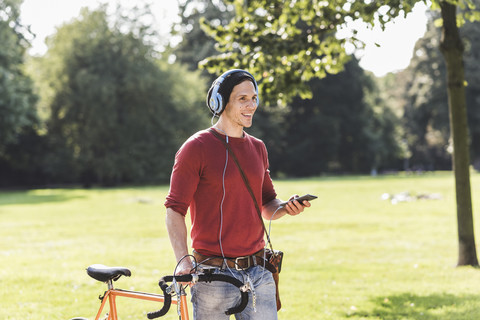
(231,81)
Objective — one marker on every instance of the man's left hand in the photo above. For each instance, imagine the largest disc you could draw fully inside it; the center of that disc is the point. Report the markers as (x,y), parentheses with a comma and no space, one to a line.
(294,207)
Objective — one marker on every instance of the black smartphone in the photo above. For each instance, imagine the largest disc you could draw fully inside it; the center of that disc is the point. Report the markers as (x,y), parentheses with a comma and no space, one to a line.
(308,197)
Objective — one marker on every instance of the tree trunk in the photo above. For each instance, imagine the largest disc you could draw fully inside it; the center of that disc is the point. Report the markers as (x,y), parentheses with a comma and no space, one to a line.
(452,50)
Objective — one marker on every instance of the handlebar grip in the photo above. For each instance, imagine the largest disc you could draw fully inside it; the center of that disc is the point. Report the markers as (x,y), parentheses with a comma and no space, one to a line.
(166,303)
(201,278)
(234,281)
(182,278)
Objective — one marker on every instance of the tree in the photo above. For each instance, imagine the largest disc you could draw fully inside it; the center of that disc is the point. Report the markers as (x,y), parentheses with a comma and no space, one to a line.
(18,117)
(290,42)
(471,33)
(392,94)
(352,132)
(16,95)
(116,113)
(452,49)
(426,117)
(426,109)
(195,44)
(277,126)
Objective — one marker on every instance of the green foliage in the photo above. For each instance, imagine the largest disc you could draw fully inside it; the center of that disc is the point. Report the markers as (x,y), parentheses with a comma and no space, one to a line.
(351,256)
(471,36)
(112,103)
(468,11)
(330,117)
(17,101)
(334,131)
(114,112)
(426,119)
(20,145)
(291,42)
(352,132)
(195,44)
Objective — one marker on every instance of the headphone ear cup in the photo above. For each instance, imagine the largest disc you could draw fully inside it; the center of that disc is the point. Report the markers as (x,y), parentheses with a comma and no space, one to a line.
(215,103)
(212,104)
(219,104)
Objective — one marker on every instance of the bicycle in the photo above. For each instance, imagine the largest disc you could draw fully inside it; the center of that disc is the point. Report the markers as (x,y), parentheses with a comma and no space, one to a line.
(109,274)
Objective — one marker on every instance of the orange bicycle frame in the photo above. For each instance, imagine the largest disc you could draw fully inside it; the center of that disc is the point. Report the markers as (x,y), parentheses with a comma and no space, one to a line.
(109,274)
(112,294)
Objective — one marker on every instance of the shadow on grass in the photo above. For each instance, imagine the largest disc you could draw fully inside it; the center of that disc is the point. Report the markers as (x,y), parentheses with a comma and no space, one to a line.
(27,198)
(414,307)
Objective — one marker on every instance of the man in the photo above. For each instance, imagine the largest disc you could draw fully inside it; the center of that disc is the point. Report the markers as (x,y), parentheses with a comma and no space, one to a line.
(225,223)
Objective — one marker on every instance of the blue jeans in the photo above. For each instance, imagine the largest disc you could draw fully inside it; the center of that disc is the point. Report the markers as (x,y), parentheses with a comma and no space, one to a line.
(211,300)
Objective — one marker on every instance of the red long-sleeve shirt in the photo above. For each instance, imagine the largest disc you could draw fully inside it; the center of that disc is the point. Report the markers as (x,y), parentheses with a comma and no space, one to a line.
(197,183)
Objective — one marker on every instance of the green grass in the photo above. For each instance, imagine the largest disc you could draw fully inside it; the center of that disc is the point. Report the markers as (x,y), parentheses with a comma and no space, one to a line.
(351,256)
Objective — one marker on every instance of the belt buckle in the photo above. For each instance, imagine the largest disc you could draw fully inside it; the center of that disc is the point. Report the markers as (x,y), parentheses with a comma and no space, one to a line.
(237,267)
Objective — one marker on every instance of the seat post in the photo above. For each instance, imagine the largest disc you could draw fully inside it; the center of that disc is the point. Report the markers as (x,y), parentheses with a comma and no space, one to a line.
(110,284)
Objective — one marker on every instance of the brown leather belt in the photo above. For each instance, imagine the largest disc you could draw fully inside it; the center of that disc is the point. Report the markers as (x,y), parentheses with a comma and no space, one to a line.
(239,263)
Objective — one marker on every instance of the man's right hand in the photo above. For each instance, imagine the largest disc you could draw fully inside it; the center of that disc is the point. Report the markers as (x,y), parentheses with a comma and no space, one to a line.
(184,267)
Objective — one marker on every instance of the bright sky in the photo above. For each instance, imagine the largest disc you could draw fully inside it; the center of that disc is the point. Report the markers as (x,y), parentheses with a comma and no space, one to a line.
(395,51)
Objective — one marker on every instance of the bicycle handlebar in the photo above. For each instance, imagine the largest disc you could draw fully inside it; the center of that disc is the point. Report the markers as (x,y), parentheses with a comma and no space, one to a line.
(201,278)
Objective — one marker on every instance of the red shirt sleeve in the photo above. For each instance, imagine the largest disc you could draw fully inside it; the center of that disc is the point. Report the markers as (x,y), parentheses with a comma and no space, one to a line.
(185,177)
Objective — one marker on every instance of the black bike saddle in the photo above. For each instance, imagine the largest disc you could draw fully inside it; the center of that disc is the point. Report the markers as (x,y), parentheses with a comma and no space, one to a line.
(103,273)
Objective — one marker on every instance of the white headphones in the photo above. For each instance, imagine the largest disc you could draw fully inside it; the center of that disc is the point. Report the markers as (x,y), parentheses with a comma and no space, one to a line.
(215,103)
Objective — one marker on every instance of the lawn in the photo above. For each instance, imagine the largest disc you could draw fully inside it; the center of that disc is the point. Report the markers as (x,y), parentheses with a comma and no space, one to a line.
(351,256)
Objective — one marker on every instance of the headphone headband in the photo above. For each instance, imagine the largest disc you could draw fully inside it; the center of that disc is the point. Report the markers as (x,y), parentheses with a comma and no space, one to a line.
(216,103)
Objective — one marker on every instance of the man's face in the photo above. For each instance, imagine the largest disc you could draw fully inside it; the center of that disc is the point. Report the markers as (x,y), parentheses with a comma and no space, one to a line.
(242,105)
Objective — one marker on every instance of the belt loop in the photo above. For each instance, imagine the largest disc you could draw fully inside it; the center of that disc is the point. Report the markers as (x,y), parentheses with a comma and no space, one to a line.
(254,258)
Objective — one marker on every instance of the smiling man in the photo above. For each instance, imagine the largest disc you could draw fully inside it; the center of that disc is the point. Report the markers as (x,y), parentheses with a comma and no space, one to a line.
(227,234)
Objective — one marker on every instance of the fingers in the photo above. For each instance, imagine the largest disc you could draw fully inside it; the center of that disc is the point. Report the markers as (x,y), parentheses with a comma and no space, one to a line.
(184,267)
(294,207)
